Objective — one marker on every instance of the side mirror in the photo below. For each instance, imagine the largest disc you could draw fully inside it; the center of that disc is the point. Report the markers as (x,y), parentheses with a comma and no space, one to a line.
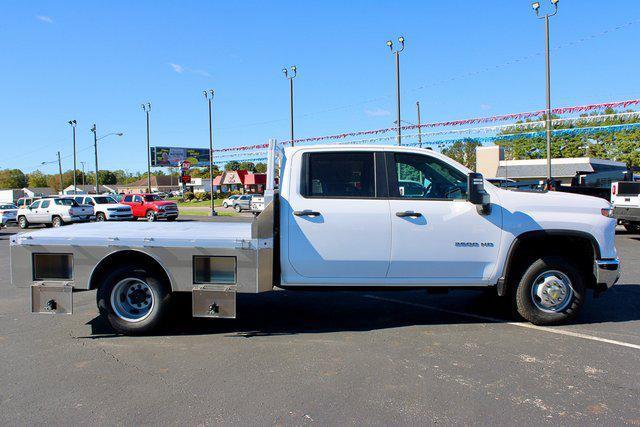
(477,194)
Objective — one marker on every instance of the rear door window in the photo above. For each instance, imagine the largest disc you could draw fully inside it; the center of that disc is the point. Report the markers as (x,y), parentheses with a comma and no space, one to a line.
(339,175)
(45,204)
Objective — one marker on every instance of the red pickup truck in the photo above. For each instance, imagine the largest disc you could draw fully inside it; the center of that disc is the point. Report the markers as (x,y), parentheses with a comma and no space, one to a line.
(151,207)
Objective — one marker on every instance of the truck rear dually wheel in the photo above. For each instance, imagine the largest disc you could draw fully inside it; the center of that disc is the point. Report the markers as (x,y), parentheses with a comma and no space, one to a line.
(133,299)
(551,291)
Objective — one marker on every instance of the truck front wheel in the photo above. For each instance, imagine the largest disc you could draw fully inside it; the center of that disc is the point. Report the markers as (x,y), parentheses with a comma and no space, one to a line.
(23,223)
(133,299)
(551,291)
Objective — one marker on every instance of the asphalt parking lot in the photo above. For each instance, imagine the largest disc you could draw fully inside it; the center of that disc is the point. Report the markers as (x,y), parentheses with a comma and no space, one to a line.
(329,358)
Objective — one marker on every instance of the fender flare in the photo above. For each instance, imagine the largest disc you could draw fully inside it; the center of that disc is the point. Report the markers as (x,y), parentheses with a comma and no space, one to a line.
(517,241)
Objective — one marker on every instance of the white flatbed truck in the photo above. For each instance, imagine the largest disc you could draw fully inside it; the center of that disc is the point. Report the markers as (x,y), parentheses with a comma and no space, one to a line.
(345,217)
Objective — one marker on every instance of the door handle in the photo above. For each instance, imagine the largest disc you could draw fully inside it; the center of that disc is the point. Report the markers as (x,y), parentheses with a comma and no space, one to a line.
(408,214)
(306,212)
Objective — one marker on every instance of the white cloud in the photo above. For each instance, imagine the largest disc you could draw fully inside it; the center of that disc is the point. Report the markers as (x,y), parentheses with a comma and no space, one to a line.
(180,69)
(177,68)
(377,112)
(44,18)
(485,107)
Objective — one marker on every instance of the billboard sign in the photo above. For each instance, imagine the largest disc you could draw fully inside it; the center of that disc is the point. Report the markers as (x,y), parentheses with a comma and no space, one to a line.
(175,156)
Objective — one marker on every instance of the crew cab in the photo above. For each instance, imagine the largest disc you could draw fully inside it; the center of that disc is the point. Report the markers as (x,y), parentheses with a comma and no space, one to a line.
(625,201)
(343,218)
(54,211)
(106,208)
(150,207)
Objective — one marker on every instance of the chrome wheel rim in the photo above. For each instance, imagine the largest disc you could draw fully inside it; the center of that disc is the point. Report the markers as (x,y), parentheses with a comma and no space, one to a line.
(132,300)
(56,222)
(100,218)
(150,216)
(552,291)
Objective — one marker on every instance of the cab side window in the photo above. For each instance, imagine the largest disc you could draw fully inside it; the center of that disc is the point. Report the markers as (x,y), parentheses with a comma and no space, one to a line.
(45,204)
(339,175)
(137,199)
(127,199)
(425,177)
(35,205)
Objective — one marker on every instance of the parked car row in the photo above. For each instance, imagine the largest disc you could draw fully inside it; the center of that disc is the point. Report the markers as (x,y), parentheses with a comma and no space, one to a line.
(58,211)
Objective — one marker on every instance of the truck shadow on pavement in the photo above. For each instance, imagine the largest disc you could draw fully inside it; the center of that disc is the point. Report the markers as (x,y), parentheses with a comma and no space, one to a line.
(301,312)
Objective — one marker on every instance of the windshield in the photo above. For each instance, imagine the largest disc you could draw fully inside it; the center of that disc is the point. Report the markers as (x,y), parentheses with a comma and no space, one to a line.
(104,200)
(66,202)
(8,207)
(152,198)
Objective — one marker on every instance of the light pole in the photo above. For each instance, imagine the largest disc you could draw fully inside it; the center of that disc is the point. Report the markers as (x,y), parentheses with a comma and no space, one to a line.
(95,150)
(83,175)
(419,128)
(397,55)
(209,97)
(60,171)
(536,8)
(290,75)
(73,124)
(147,109)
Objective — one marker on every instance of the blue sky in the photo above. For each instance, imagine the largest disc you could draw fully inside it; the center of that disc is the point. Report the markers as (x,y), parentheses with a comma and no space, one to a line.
(97,61)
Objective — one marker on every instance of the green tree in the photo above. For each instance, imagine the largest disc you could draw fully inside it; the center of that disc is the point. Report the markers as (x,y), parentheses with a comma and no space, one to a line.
(37,179)
(12,178)
(463,152)
(621,145)
(261,167)
(232,166)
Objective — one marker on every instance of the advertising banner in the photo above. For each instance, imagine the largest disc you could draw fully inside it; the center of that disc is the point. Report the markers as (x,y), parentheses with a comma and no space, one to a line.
(175,156)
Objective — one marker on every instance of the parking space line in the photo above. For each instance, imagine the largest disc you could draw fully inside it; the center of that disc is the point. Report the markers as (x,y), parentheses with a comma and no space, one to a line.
(519,324)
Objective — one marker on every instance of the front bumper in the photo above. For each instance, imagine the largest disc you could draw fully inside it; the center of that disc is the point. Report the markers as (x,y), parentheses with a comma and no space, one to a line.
(607,272)
(119,216)
(166,214)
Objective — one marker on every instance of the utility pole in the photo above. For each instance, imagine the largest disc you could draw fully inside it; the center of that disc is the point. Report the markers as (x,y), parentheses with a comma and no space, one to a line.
(147,109)
(83,175)
(397,55)
(419,128)
(290,75)
(536,8)
(73,124)
(60,170)
(209,97)
(95,151)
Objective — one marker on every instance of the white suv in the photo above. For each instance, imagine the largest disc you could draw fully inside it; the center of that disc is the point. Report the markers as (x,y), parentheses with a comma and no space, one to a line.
(106,208)
(54,212)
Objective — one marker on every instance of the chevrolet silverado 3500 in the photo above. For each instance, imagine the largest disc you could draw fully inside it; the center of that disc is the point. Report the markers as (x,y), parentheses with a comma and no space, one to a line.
(344,217)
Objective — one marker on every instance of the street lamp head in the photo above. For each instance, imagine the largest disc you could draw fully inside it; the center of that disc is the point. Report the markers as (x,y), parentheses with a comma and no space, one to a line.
(294,68)
(555,2)
(401,40)
(536,6)
(390,44)
(119,134)
(72,123)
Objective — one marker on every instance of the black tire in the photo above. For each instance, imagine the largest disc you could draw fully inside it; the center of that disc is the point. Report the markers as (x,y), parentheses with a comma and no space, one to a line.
(56,221)
(159,307)
(632,227)
(23,223)
(100,217)
(225,205)
(523,298)
(150,216)
(237,208)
